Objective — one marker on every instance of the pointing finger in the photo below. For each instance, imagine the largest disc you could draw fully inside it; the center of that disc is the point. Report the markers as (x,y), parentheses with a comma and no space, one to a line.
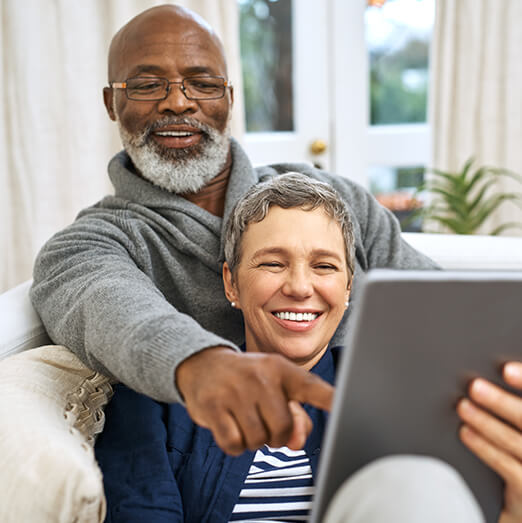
(306,387)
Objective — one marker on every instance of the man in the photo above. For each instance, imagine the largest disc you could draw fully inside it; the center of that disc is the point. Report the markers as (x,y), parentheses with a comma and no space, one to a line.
(134,285)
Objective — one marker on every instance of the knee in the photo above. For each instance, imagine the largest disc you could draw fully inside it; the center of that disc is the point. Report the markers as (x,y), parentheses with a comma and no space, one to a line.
(404,488)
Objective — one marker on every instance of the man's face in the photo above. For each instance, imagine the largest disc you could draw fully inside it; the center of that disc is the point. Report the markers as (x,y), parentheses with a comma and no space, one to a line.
(188,136)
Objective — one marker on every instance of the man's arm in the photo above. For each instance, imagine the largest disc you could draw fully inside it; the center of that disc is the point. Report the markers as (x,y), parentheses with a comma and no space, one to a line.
(378,239)
(380,243)
(94,298)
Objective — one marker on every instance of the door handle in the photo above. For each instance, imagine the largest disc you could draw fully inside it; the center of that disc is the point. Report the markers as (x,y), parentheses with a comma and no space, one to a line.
(318,147)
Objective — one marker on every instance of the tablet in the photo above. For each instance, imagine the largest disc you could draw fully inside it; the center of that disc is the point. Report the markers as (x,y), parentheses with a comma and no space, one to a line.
(416,339)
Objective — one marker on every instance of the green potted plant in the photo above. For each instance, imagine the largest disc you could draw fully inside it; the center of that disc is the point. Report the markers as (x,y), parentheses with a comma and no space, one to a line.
(462,201)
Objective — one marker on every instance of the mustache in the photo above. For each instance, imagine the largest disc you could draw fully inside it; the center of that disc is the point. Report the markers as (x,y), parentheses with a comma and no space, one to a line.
(174,120)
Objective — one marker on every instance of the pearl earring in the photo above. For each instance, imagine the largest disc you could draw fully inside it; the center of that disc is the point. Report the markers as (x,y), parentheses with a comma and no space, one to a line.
(346,304)
(233,303)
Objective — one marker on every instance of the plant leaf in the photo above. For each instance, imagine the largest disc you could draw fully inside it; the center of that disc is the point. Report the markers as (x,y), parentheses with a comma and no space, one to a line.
(453,202)
(504,226)
(480,195)
(489,206)
(466,168)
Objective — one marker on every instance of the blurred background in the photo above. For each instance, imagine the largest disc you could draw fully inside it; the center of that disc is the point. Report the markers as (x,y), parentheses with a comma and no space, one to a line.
(378,91)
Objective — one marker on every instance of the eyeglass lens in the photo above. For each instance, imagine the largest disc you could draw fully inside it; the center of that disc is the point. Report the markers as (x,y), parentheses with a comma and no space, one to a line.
(195,88)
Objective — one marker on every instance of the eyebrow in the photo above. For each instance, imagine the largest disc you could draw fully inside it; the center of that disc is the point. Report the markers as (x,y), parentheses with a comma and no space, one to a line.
(158,71)
(282,250)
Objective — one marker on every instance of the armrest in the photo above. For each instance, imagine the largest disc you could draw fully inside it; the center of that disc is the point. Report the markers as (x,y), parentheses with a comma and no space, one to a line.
(20,325)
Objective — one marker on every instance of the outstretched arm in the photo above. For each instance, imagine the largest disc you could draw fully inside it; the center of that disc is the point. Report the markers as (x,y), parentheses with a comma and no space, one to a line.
(493,431)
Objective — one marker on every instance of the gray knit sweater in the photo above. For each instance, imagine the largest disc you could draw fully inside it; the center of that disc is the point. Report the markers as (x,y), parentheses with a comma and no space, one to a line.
(134,287)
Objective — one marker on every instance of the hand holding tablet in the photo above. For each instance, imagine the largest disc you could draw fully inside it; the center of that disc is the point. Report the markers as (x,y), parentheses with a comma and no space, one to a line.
(492,429)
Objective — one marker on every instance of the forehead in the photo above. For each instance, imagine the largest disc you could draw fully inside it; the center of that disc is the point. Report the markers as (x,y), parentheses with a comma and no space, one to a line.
(166,46)
(296,230)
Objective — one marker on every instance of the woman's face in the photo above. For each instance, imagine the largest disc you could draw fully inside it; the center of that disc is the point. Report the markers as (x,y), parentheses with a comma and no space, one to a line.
(291,284)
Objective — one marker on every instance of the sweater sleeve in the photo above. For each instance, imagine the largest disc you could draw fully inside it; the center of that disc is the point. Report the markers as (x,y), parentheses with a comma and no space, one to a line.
(382,242)
(378,239)
(93,298)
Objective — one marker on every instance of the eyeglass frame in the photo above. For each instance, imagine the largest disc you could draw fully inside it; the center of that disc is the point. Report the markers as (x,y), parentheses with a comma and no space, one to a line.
(123,85)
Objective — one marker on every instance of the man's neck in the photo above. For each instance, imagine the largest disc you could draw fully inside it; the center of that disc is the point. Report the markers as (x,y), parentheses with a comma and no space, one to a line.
(212,196)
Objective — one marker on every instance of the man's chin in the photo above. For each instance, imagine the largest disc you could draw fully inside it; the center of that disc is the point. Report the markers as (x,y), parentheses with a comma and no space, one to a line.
(180,171)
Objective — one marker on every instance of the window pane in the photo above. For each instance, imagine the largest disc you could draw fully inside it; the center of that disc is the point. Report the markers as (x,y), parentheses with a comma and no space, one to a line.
(266,56)
(398,37)
(395,188)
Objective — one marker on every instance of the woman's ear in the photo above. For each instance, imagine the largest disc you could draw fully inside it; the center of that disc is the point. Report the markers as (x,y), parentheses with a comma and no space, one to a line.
(348,292)
(230,287)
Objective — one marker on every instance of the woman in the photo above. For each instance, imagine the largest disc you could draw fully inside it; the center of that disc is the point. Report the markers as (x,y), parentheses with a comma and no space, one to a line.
(289,251)
(289,268)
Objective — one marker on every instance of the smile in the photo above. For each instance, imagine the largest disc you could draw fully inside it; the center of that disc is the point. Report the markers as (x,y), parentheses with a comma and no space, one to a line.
(296,316)
(174,133)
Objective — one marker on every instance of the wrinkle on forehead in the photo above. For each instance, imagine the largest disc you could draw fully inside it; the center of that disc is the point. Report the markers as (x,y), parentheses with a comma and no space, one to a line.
(181,28)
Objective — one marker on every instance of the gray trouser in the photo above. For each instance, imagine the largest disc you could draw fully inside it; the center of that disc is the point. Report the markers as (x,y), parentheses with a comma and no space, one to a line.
(404,489)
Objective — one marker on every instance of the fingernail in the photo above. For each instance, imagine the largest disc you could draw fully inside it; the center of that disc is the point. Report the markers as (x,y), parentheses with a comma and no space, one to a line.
(480,388)
(466,432)
(513,370)
(465,406)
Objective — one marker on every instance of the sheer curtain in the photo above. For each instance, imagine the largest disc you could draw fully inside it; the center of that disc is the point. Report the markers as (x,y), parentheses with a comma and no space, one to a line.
(476,91)
(55,138)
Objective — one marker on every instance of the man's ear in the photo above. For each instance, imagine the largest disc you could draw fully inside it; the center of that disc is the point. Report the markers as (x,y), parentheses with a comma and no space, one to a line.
(108,102)
(230,288)
(231,89)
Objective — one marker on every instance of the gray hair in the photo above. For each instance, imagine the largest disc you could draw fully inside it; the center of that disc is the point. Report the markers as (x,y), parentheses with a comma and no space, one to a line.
(288,191)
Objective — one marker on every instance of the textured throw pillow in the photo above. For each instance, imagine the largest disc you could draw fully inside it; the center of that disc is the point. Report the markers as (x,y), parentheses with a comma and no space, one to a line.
(51,408)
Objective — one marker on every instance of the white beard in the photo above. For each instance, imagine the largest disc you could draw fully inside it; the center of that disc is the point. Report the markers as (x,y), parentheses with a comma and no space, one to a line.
(180,171)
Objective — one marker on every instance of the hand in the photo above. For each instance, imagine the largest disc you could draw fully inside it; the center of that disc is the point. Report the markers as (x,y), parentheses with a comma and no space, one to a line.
(493,431)
(247,400)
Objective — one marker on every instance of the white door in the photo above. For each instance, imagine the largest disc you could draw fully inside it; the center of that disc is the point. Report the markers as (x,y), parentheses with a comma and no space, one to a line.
(329,91)
(294,34)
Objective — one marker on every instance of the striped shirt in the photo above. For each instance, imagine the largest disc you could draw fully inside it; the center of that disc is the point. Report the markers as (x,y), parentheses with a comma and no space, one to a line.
(278,487)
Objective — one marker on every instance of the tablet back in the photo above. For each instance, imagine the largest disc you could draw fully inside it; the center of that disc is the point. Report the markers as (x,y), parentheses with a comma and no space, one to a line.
(416,339)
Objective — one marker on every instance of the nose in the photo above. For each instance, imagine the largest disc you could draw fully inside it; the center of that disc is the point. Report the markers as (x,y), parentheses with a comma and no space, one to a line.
(176,101)
(298,283)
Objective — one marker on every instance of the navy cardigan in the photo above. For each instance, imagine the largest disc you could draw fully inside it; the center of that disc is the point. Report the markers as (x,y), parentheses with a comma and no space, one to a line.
(158,466)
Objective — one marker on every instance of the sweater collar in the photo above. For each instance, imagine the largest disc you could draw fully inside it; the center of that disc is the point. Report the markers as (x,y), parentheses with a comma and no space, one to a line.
(129,186)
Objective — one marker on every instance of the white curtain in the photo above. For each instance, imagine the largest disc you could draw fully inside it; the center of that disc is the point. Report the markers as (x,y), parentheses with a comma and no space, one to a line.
(55,138)
(476,91)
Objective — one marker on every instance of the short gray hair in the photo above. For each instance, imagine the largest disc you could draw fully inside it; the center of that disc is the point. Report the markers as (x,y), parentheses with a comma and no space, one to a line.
(288,191)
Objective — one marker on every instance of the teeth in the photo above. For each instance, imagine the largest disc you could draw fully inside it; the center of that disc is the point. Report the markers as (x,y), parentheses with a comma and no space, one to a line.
(174,133)
(296,316)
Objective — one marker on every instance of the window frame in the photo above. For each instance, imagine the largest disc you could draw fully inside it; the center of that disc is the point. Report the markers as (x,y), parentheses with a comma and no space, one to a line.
(374,145)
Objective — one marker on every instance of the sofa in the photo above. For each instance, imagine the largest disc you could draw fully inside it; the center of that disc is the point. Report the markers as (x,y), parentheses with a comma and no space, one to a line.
(22,329)
(51,404)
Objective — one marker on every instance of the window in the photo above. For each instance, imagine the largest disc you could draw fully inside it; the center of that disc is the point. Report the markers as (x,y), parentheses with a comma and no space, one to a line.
(398,36)
(266,56)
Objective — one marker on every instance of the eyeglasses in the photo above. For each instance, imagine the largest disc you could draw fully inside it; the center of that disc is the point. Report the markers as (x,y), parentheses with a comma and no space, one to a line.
(149,88)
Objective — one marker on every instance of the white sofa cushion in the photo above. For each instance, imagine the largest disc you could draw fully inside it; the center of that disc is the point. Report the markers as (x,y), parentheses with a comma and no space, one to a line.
(51,408)
(470,252)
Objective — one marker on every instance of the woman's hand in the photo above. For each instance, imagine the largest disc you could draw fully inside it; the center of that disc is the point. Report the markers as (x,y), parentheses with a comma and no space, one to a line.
(492,429)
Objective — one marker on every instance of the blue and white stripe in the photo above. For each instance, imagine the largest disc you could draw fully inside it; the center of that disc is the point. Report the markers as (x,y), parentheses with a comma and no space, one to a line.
(279,487)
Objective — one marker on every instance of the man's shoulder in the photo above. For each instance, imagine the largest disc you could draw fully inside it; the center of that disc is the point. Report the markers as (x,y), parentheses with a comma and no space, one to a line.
(265,172)
(355,195)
